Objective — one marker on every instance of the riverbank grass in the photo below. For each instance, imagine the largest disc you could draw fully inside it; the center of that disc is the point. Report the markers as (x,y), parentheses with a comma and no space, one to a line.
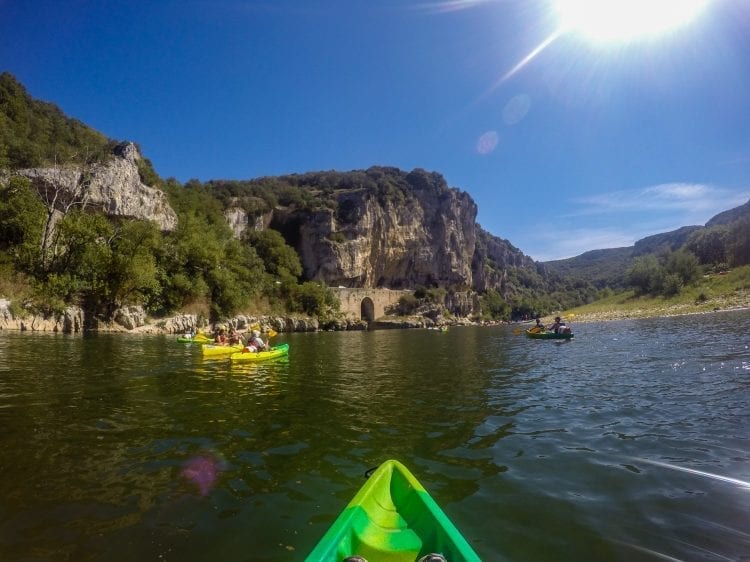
(713,292)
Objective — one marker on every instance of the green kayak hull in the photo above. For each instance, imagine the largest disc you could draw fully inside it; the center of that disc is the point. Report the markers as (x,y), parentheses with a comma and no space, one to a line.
(392,518)
(548,335)
(276,351)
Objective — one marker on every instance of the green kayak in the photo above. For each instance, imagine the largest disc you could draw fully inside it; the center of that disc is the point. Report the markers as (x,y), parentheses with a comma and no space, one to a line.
(274,352)
(544,335)
(392,518)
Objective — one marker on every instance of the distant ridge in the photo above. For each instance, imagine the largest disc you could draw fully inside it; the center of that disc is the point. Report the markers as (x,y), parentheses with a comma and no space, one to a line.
(731,215)
(608,267)
(664,242)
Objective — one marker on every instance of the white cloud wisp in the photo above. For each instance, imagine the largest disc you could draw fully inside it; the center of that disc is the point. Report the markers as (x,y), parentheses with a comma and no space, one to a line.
(621,218)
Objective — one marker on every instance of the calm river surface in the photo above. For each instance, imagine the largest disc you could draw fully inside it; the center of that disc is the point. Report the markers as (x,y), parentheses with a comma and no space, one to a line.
(632,442)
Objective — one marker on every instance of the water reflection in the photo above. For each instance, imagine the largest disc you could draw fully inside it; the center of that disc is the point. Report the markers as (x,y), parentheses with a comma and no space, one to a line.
(624,443)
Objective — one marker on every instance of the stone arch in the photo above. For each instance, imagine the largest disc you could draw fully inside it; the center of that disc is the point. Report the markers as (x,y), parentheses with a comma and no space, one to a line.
(367,309)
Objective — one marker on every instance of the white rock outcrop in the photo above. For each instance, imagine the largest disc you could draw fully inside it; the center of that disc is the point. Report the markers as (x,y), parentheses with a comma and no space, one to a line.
(114,186)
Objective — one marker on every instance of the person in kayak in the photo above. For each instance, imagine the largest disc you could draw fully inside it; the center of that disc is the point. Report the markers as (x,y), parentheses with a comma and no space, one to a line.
(255,343)
(234,337)
(559,326)
(221,337)
(539,326)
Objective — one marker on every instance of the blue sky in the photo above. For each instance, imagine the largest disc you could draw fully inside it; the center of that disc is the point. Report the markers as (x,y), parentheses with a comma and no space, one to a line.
(585,144)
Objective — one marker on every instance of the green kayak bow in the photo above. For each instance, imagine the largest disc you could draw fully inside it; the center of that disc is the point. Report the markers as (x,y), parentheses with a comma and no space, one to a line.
(392,518)
(544,335)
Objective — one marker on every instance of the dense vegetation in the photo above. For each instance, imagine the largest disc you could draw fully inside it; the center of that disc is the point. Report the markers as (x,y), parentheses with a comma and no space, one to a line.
(314,190)
(102,263)
(665,264)
(34,133)
(56,250)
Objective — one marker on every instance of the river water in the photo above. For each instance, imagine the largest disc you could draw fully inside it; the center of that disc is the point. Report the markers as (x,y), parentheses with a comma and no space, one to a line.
(631,442)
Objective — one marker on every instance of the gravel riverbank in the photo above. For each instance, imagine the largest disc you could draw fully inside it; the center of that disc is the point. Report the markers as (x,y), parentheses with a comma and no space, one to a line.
(735,301)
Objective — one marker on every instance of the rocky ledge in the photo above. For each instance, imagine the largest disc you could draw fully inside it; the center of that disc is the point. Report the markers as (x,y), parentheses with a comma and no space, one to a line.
(133,319)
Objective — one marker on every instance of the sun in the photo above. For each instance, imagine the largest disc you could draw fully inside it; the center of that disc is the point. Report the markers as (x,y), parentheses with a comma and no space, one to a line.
(610,21)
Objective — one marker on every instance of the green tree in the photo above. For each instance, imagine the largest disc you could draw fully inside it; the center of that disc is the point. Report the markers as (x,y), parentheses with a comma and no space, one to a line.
(22,219)
(494,306)
(83,255)
(709,245)
(279,258)
(407,304)
(646,275)
(238,280)
(315,299)
(739,245)
(684,265)
(187,259)
(132,271)
(671,284)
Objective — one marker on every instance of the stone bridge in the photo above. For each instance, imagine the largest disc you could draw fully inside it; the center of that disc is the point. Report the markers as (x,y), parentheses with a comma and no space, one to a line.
(367,304)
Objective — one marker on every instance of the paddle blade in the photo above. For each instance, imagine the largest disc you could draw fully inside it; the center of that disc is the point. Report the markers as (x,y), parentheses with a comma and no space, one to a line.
(271,332)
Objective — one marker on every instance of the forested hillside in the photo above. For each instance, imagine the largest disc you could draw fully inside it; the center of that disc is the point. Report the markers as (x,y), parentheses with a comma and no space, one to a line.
(57,249)
(35,133)
(273,244)
(663,263)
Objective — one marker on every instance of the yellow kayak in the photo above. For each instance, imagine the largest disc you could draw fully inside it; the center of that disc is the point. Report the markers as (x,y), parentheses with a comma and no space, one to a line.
(275,351)
(211,350)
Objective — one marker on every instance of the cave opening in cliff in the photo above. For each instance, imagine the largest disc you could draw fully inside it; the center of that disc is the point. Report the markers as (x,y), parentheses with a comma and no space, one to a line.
(367,309)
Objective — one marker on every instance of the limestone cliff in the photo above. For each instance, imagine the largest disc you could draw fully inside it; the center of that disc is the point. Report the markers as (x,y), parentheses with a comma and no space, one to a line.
(113,186)
(381,227)
(239,220)
(491,261)
(419,233)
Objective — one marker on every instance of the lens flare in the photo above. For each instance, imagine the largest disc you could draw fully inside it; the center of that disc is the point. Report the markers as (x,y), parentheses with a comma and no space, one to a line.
(202,471)
(487,142)
(516,109)
(605,21)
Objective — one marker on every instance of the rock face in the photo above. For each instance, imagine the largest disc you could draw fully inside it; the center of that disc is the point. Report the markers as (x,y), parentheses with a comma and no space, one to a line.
(425,236)
(70,321)
(130,317)
(492,259)
(239,221)
(114,186)
(418,233)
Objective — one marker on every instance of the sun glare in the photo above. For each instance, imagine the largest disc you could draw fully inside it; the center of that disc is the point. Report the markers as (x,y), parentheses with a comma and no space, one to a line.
(605,21)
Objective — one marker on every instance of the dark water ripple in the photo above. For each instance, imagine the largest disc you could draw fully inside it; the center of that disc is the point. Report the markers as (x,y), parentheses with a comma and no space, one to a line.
(629,443)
